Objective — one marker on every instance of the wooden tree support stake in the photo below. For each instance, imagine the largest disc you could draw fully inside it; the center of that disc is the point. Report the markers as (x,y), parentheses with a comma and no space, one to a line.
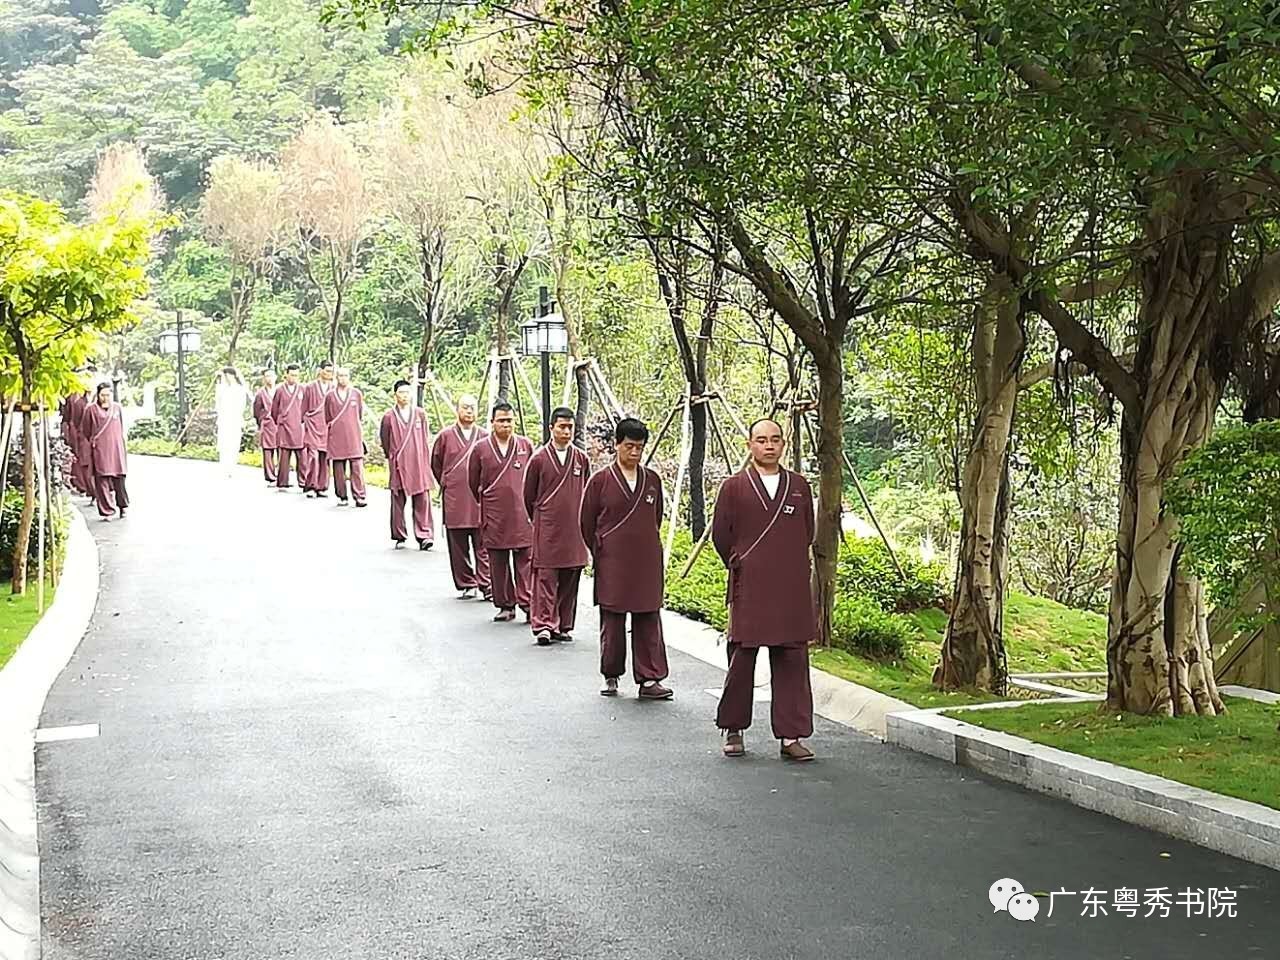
(607,391)
(686,423)
(4,453)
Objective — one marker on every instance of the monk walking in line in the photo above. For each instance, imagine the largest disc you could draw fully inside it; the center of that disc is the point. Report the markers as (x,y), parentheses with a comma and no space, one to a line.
(286,414)
(496,478)
(266,425)
(84,450)
(103,424)
(72,409)
(553,488)
(450,461)
(621,516)
(315,436)
(763,531)
(405,439)
(344,419)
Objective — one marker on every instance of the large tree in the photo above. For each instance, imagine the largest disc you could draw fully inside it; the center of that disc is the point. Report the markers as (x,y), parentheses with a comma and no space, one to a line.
(61,287)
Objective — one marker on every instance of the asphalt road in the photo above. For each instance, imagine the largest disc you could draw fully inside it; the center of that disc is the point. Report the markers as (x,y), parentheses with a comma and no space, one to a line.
(310,749)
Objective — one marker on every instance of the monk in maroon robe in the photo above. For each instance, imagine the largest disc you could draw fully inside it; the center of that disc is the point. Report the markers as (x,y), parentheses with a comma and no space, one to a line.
(72,408)
(450,460)
(103,424)
(496,478)
(553,488)
(344,416)
(763,531)
(315,433)
(84,451)
(266,425)
(620,518)
(286,413)
(405,441)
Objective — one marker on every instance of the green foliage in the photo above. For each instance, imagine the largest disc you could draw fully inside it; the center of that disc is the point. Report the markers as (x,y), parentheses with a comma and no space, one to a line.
(1226,497)
(867,618)
(147,428)
(9,533)
(162,447)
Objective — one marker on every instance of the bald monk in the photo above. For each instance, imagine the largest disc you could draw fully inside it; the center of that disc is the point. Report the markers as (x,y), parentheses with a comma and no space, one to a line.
(496,478)
(405,440)
(315,432)
(620,518)
(266,426)
(344,419)
(450,460)
(102,423)
(553,488)
(286,413)
(763,531)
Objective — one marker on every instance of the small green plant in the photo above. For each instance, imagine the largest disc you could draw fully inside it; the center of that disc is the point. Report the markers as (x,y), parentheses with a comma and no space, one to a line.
(147,428)
(859,626)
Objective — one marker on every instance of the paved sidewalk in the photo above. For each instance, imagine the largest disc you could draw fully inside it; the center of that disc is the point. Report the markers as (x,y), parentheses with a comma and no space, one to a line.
(310,749)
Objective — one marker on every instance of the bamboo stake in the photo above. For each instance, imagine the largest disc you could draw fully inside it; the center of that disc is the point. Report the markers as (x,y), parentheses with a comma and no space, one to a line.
(48,496)
(534,396)
(607,390)
(662,432)
(598,385)
(733,414)
(685,425)
(715,429)
(4,453)
(515,389)
(862,495)
(43,504)
(439,390)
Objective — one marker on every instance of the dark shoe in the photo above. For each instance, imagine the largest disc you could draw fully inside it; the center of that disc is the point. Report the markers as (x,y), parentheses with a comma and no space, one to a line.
(399,545)
(321,494)
(122,513)
(342,502)
(610,687)
(504,616)
(733,745)
(467,594)
(526,614)
(796,751)
(424,544)
(562,637)
(310,494)
(361,503)
(654,691)
(542,638)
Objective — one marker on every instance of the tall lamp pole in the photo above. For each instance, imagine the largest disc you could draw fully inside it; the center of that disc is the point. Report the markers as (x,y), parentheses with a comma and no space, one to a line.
(179,342)
(544,334)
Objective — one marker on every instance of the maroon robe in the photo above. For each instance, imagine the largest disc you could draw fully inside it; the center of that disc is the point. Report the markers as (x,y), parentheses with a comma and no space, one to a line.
(450,461)
(262,415)
(497,482)
(104,429)
(405,446)
(343,415)
(315,431)
(286,415)
(764,542)
(84,450)
(72,410)
(552,498)
(621,529)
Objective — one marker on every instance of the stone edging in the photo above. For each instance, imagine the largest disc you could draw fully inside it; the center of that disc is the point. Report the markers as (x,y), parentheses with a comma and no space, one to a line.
(1240,828)
(24,684)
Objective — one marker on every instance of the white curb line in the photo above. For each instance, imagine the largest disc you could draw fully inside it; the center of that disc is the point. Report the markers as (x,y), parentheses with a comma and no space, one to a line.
(24,684)
(1236,827)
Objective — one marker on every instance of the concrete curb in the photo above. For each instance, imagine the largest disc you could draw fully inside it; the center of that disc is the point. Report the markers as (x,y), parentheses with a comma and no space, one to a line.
(1239,828)
(24,684)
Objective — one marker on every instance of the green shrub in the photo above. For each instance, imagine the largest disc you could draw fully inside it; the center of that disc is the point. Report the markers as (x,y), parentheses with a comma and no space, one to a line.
(700,595)
(859,626)
(167,448)
(9,533)
(865,570)
(147,428)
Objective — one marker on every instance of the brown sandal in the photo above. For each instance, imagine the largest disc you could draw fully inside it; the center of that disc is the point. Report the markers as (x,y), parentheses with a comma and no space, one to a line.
(733,745)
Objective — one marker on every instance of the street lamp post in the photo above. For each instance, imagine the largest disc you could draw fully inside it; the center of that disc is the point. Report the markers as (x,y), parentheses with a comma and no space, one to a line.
(544,334)
(179,342)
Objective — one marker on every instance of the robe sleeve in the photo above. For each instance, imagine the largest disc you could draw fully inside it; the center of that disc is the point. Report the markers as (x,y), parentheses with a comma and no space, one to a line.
(532,483)
(722,523)
(330,407)
(437,459)
(473,475)
(384,437)
(589,512)
(276,406)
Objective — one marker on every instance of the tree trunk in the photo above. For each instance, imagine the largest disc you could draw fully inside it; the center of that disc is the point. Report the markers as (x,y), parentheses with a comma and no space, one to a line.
(241,303)
(826,541)
(1158,658)
(973,649)
(333,326)
(697,462)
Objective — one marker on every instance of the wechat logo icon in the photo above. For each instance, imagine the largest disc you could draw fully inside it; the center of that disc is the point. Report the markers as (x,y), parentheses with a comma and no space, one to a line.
(1010,896)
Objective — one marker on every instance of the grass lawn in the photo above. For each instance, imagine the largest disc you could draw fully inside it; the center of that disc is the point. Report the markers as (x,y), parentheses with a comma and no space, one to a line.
(17,617)
(1233,754)
(1040,637)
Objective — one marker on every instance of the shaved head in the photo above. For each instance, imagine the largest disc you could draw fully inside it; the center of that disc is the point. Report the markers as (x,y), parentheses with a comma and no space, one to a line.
(766,444)
(751,430)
